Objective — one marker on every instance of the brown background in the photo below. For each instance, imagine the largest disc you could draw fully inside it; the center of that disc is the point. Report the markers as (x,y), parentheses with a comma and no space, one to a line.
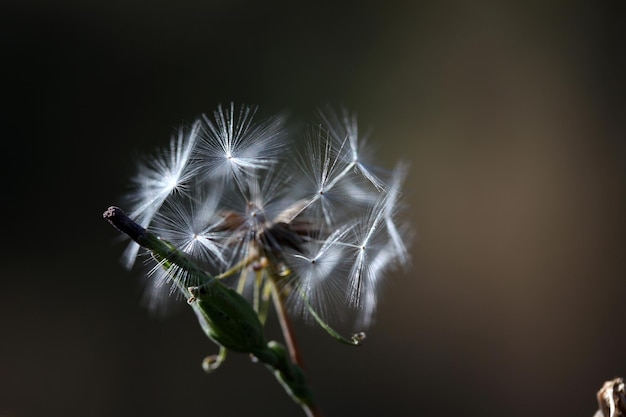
(511,115)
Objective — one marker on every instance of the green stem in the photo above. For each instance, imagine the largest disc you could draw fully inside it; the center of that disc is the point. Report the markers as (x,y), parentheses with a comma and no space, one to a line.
(355,339)
(225,316)
(164,252)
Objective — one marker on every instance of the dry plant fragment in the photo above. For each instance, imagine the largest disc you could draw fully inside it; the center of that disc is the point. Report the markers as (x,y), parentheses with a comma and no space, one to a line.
(612,399)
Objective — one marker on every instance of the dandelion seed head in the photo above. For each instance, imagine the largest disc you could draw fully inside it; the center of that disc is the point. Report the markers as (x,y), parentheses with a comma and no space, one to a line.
(233,194)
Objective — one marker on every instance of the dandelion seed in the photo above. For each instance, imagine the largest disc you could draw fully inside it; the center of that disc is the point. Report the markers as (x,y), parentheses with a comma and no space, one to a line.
(346,128)
(326,176)
(167,172)
(193,228)
(319,275)
(233,147)
(368,240)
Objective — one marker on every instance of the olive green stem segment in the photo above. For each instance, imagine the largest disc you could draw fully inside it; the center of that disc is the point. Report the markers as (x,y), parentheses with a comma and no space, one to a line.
(224,315)
(244,333)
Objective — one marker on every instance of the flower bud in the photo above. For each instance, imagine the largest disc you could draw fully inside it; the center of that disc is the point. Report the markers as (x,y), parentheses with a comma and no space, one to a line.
(226,317)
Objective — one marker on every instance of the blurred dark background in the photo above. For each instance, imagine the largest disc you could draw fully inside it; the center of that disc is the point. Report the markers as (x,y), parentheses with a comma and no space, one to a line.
(510,113)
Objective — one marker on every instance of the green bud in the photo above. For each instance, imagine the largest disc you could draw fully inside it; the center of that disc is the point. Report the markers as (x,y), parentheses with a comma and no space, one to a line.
(226,317)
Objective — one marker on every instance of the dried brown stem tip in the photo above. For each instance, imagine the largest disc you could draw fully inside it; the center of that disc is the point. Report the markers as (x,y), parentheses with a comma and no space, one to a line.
(124,224)
(612,399)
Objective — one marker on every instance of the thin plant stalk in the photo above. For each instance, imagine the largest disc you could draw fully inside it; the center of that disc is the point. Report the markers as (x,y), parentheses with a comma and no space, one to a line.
(285,325)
